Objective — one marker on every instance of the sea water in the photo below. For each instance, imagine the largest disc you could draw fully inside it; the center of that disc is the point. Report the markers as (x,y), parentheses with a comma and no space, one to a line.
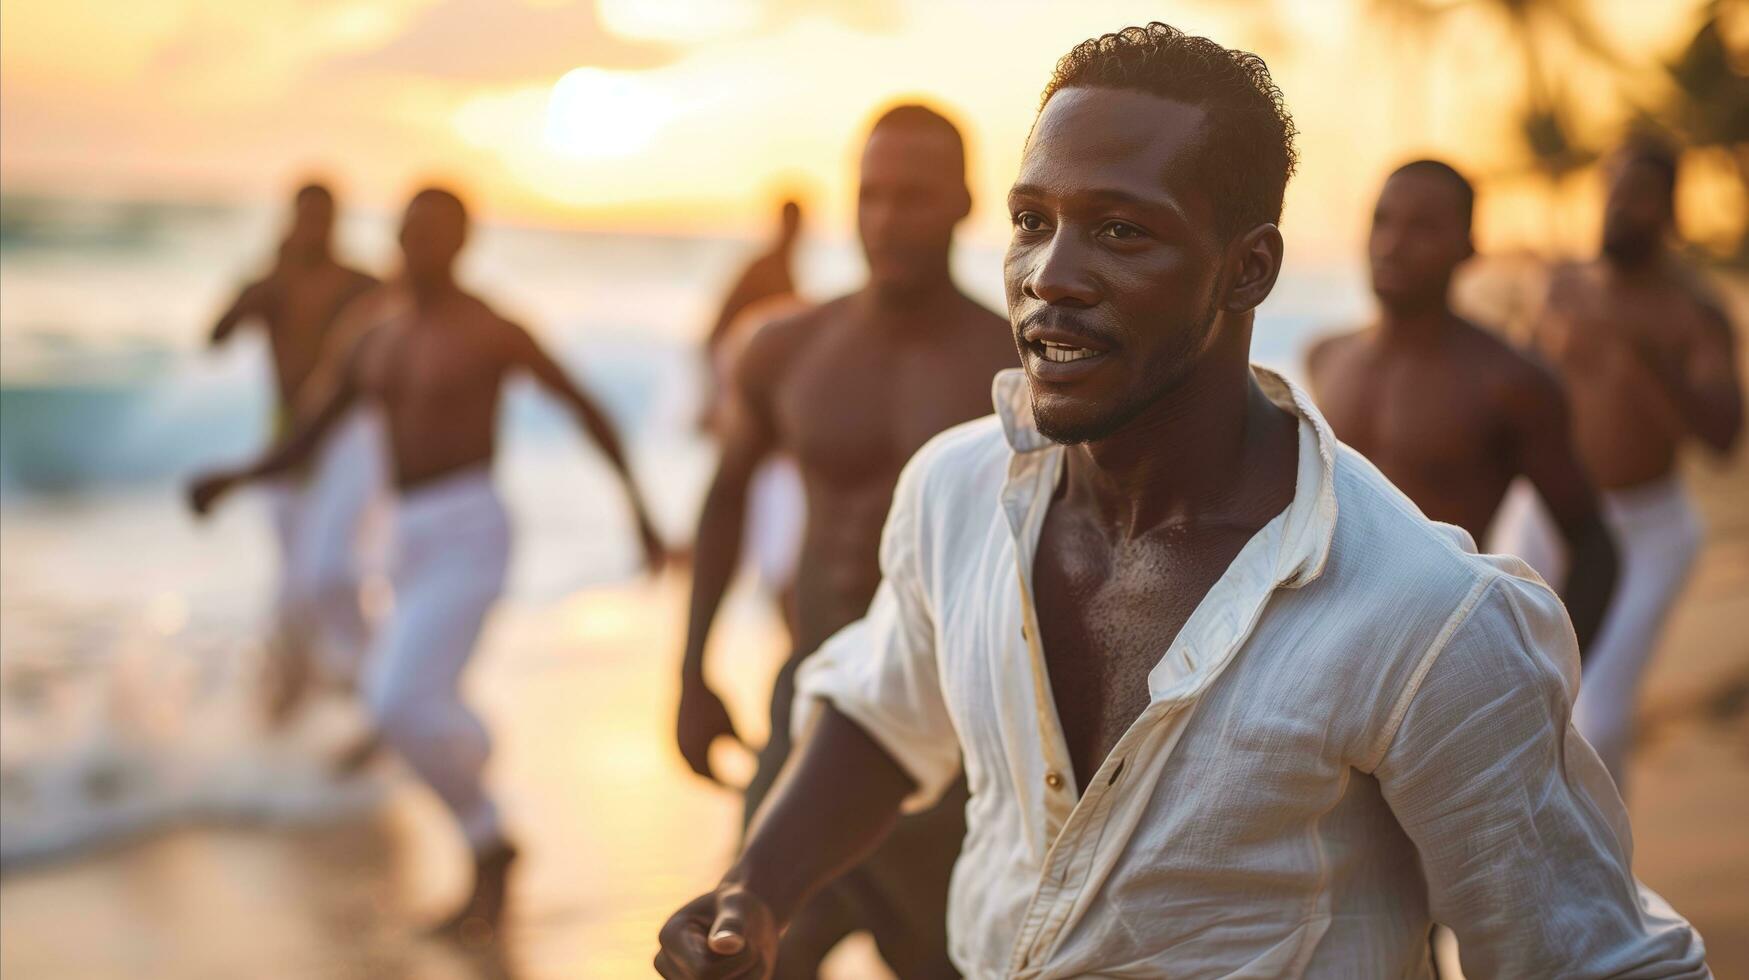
(131,635)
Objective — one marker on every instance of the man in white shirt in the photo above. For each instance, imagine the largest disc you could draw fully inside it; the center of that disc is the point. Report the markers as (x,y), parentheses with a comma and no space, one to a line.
(1227,703)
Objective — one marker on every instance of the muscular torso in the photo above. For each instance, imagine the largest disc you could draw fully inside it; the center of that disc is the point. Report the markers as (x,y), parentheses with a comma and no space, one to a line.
(437,375)
(1608,339)
(299,307)
(854,401)
(1432,415)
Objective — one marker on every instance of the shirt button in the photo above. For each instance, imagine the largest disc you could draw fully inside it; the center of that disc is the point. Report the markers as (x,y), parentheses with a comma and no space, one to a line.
(1054,779)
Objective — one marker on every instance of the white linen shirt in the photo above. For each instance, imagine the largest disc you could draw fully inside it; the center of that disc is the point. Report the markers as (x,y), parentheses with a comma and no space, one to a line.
(1363,726)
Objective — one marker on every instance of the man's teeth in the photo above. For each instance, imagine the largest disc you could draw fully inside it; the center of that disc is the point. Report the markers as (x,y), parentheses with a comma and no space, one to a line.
(1062,353)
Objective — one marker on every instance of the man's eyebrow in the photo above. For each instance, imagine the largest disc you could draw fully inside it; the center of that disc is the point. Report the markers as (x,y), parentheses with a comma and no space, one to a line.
(1108,195)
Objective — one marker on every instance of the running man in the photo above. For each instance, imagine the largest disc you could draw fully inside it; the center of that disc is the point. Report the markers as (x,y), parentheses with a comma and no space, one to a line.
(436,374)
(764,293)
(1449,412)
(768,276)
(318,511)
(850,390)
(1650,361)
(1228,703)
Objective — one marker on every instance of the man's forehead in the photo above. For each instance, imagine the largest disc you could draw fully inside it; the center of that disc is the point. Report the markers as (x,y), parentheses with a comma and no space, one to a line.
(1422,190)
(912,150)
(1091,137)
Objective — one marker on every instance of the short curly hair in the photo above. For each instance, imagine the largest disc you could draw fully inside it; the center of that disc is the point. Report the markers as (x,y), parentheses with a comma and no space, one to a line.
(1249,154)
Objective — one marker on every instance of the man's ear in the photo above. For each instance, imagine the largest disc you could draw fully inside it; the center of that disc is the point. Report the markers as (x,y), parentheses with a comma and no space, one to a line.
(1253,263)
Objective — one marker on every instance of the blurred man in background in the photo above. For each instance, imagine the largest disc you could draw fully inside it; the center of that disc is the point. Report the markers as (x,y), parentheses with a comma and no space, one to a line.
(767,276)
(1451,413)
(318,511)
(851,390)
(776,505)
(436,374)
(1650,362)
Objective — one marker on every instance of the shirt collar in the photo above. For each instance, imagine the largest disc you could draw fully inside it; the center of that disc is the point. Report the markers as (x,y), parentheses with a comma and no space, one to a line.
(1310,522)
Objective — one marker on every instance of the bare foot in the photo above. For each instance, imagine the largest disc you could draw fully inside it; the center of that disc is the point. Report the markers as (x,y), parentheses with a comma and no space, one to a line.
(352,761)
(477,922)
(287,682)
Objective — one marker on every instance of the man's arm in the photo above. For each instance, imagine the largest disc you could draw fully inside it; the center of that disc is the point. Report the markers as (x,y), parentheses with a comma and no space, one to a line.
(880,740)
(1704,384)
(297,445)
(1522,838)
(830,808)
(748,437)
(529,355)
(250,302)
(1547,457)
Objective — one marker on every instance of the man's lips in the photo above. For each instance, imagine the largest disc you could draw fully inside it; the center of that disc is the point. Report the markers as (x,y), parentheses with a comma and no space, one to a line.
(1053,353)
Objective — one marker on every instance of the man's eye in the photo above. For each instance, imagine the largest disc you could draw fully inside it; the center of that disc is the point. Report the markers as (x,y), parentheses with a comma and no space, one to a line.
(1029,221)
(1123,231)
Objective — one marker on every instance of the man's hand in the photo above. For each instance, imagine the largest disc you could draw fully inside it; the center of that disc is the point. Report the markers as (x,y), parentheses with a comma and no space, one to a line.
(655,549)
(703,719)
(729,932)
(204,492)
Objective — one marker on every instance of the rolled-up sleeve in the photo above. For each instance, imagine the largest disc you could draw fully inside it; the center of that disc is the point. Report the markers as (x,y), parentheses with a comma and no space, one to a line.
(881,672)
(1522,836)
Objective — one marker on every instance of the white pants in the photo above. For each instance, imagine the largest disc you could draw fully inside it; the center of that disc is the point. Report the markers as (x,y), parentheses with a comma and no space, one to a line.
(325,523)
(452,550)
(777,511)
(1657,537)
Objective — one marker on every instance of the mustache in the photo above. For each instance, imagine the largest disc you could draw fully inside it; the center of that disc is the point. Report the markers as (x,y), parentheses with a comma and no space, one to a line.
(1082,326)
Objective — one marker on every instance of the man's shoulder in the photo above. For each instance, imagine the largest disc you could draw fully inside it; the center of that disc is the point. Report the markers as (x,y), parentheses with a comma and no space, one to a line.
(1334,341)
(1424,580)
(782,334)
(1518,375)
(963,446)
(960,463)
(1382,536)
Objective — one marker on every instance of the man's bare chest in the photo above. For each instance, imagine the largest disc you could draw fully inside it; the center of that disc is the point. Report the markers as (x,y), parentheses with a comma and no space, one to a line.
(431,366)
(848,413)
(1418,417)
(1106,621)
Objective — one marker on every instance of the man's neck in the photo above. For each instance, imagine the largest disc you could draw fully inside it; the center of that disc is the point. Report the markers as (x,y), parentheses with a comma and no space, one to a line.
(429,293)
(1188,458)
(309,257)
(902,304)
(1639,267)
(1414,323)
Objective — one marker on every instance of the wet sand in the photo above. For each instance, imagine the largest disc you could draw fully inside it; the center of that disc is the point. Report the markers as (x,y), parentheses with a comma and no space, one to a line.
(615,832)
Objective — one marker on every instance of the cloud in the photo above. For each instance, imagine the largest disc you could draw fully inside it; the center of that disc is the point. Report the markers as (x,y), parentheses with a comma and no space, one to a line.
(493,41)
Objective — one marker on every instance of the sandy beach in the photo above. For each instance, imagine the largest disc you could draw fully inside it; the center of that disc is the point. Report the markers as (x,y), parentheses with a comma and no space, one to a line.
(616,832)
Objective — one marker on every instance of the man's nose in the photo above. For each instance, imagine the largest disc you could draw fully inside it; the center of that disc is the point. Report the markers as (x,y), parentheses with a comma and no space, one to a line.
(1062,273)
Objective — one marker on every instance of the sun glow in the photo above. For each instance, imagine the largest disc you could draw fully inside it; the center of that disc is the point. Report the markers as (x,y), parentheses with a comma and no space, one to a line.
(595,114)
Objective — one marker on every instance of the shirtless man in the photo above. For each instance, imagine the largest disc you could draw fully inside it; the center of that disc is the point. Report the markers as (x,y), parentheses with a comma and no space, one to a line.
(764,293)
(850,390)
(765,277)
(1449,412)
(436,374)
(1650,361)
(316,512)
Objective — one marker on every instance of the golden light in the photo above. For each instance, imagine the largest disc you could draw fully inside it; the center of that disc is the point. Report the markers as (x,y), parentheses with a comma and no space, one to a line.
(596,114)
(677,21)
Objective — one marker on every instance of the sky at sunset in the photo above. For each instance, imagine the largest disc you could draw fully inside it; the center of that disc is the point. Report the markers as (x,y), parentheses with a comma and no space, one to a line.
(690,115)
